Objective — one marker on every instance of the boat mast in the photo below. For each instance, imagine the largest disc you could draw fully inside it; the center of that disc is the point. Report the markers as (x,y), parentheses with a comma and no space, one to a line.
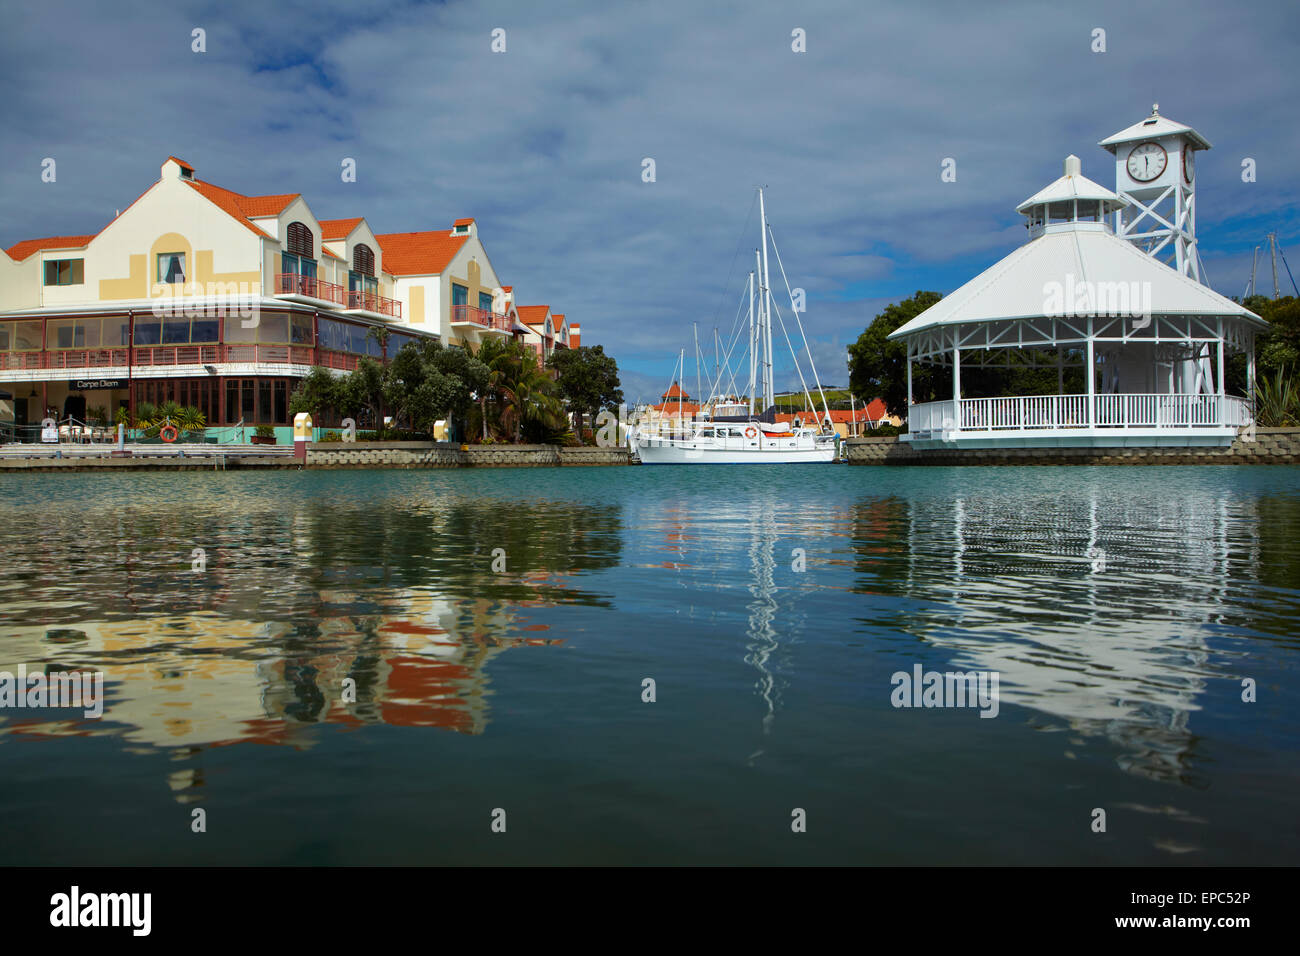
(769,396)
(753,354)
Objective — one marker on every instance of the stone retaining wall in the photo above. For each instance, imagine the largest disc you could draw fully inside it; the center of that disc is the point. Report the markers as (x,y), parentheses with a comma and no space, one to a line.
(446,455)
(1272,446)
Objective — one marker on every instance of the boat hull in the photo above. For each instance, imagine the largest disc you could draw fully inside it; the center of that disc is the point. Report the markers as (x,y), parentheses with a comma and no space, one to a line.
(665,453)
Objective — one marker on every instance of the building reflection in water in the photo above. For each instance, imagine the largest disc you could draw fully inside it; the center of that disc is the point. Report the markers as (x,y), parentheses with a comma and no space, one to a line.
(1095,612)
(302,619)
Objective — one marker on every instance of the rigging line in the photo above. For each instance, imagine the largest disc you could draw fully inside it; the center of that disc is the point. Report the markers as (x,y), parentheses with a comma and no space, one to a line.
(1288,270)
(735,325)
(723,291)
(811,364)
(734,336)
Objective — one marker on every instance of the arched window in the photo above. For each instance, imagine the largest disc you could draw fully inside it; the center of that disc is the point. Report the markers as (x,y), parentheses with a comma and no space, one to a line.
(363,260)
(299,241)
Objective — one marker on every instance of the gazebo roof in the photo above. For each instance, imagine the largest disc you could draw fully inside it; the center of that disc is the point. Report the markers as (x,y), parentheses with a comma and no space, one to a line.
(1013,288)
(1073,185)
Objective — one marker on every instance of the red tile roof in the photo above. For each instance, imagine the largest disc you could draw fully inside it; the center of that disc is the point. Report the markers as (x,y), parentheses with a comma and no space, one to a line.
(685,407)
(338,228)
(463,222)
(255,206)
(873,412)
(181,163)
(675,391)
(418,253)
(21,250)
(227,201)
(533,314)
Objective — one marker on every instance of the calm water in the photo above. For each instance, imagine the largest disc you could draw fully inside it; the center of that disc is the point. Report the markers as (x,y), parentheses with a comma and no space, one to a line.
(1120,607)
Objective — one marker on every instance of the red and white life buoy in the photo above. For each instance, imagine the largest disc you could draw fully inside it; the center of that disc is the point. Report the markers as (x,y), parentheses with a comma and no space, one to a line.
(168,433)
(751,431)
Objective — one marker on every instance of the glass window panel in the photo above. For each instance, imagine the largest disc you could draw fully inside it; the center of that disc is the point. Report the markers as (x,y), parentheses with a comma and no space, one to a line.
(78,271)
(116,330)
(264,406)
(235,332)
(289,263)
(307,267)
(204,330)
(232,401)
(51,272)
(247,397)
(176,330)
(300,330)
(485,301)
(88,332)
(59,333)
(148,330)
(6,336)
(281,401)
(273,327)
(459,295)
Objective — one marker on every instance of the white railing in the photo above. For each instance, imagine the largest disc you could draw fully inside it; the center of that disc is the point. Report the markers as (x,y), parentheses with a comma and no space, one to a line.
(1057,412)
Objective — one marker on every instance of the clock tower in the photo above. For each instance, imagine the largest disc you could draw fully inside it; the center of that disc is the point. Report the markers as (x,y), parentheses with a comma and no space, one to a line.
(1155,171)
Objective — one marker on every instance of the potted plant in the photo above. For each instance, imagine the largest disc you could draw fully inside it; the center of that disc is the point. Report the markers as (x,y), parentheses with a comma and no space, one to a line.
(264,435)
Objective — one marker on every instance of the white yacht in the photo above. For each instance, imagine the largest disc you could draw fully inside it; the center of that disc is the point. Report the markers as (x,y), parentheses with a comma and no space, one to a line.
(726,431)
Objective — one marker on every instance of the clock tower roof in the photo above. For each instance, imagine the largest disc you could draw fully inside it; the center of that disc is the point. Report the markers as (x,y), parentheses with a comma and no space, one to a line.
(1153,127)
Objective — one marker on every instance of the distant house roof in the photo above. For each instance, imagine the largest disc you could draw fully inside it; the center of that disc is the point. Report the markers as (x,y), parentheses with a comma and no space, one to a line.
(21,250)
(338,228)
(674,392)
(419,253)
(534,315)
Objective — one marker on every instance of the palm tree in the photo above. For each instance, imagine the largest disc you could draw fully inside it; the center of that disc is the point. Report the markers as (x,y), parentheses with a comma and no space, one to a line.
(525,390)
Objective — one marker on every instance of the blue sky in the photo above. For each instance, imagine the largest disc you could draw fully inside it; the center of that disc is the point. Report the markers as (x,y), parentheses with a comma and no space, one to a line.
(543,144)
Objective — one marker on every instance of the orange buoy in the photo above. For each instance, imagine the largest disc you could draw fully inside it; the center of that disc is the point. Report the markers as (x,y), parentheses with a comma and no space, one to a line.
(168,433)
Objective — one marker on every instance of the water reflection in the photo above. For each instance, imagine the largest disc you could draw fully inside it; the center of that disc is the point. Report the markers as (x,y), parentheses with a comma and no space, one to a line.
(1098,612)
(304,615)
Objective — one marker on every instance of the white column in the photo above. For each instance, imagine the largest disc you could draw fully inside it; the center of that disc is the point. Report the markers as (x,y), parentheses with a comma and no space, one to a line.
(1090,374)
(1250,374)
(909,377)
(956,380)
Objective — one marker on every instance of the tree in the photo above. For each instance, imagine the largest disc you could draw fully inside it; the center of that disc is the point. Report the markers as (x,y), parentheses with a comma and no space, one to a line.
(587,379)
(878,367)
(426,382)
(524,393)
(317,394)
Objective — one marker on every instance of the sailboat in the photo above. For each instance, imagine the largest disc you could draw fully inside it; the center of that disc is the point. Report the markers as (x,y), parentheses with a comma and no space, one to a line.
(729,432)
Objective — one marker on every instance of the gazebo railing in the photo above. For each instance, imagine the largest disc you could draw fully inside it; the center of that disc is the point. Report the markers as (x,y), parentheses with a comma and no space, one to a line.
(1056,412)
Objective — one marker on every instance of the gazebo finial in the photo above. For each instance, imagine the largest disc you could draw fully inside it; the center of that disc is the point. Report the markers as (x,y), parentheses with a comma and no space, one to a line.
(1155,109)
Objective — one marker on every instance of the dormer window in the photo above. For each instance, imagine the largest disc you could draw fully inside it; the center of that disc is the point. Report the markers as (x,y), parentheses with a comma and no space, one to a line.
(298,241)
(460,230)
(187,173)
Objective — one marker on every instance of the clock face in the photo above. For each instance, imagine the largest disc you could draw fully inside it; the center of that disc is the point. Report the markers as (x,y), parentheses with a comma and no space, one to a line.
(1189,165)
(1147,162)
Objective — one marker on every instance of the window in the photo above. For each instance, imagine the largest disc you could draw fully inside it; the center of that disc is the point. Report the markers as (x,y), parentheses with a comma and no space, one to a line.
(300,330)
(459,294)
(299,241)
(460,230)
(64,271)
(171,267)
(485,301)
(363,259)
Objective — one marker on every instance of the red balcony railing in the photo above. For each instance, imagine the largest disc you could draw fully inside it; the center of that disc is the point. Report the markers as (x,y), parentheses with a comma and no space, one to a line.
(373,302)
(481,317)
(290,283)
(161,355)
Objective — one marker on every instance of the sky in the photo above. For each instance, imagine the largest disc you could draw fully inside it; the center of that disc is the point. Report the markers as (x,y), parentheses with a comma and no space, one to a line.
(545,144)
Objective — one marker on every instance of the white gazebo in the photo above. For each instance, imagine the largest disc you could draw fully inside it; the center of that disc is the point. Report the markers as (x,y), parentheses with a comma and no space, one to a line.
(1155,341)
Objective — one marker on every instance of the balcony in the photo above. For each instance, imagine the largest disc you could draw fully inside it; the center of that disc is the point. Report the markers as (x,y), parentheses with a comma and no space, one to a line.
(1115,419)
(359,301)
(150,356)
(480,318)
(308,287)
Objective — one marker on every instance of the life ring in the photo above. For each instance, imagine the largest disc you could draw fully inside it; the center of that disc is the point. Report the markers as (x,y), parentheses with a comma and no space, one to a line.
(751,431)
(168,433)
